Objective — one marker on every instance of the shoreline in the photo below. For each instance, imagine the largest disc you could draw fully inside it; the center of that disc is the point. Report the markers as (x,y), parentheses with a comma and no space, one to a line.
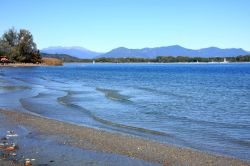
(22,65)
(172,63)
(215,63)
(98,140)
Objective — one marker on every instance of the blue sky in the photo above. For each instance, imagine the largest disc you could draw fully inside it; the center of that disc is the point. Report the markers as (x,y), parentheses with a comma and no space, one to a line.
(102,25)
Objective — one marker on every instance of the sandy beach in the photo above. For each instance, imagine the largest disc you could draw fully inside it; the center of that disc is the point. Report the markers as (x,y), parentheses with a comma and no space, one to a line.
(101,141)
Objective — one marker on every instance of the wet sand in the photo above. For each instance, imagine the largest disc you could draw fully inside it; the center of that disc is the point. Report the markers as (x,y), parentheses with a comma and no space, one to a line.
(43,149)
(101,141)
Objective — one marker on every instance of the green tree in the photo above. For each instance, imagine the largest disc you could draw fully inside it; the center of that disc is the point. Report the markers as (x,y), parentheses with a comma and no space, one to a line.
(5,48)
(19,47)
(26,48)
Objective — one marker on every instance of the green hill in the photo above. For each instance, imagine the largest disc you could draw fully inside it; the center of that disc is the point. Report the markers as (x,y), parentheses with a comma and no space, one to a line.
(63,57)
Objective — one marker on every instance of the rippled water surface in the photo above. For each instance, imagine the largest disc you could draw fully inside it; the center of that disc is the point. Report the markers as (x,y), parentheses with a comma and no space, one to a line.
(201,106)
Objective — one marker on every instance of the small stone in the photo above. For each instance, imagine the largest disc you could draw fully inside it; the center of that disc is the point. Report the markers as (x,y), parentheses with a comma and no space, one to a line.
(27,163)
(14,161)
(10,148)
(13,154)
(10,132)
(4,139)
(11,135)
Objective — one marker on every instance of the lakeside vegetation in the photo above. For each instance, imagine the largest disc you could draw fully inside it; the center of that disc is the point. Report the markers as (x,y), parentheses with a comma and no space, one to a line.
(62,57)
(19,47)
(159,59)
(52,61)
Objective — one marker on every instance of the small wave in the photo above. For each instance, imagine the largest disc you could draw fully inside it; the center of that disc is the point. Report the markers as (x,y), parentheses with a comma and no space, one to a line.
(41,95)
(28,82)
(64,100)
(147,89)
(30,107)
(69,95)
(156,91)
(23,80)
(62,82)
(19,79)
(197,121)
(245,143)
(43,78)
(1,74)
(13,88)
(51,80)
(114,95)
(3,81)
(77,92)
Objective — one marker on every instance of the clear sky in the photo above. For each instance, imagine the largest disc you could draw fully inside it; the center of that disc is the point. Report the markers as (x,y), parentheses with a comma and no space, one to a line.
(102,25)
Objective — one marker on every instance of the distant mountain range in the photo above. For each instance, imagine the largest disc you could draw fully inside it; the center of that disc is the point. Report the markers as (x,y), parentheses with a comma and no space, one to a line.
(123,52)
(174,51)
(78,52)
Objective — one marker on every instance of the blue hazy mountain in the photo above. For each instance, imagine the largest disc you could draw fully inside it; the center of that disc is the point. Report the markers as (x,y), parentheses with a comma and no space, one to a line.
(78,52)
(173,51)
(121,52)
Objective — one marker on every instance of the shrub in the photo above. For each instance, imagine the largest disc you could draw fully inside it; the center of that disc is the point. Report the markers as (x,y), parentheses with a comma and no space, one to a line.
(52,61)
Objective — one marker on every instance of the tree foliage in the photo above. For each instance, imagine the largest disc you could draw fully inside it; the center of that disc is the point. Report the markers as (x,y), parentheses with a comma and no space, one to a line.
(19,46)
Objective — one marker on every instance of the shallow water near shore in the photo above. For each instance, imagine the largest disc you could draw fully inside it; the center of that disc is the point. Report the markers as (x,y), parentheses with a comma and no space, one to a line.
(44,149)
(201,106)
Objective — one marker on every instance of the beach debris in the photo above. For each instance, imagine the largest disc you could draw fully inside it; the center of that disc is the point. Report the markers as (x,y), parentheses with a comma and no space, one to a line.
(27,162)
(4,139)
(4,156)
(2,145)
(9,150)
(15,161)
(13,154)
(11,134)
(12,147)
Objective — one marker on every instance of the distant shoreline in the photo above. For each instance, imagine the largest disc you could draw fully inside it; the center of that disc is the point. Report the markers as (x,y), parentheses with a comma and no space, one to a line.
(170,63)
(120,144)
(157,63)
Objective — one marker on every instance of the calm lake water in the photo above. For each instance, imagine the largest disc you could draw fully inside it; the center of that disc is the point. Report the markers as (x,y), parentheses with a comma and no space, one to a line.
(201,106)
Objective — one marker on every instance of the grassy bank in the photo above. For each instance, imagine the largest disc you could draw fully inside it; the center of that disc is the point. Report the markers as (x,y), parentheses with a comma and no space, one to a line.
(52,61)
